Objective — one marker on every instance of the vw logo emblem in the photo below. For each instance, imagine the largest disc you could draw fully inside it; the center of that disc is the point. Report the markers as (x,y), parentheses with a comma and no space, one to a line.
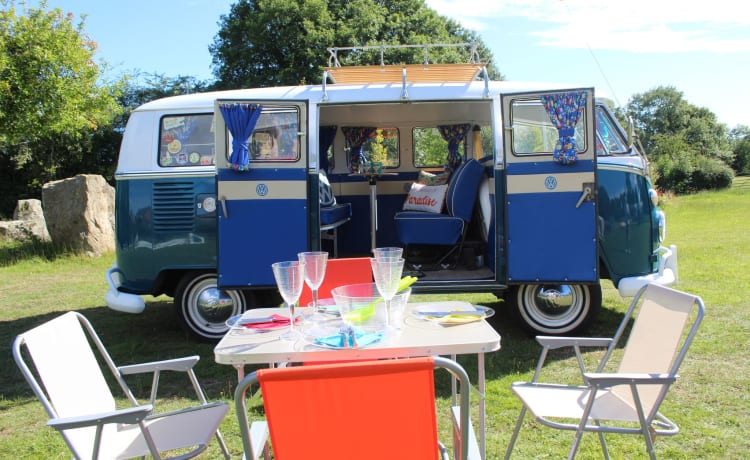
(550,182)
(261,189)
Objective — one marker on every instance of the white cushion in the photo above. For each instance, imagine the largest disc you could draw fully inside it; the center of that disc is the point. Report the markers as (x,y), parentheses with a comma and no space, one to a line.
(428,198)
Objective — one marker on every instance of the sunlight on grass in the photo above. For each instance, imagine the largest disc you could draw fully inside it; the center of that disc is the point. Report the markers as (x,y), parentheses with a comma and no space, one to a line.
(709,401)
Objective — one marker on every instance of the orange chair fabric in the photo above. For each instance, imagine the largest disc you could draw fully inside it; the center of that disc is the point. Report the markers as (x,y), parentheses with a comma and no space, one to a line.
(339,272)
(366,410)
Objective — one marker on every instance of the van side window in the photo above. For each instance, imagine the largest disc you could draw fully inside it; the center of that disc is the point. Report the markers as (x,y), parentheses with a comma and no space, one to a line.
(431,149)
(382,147)
(533,132)
(186,140)
(275,136)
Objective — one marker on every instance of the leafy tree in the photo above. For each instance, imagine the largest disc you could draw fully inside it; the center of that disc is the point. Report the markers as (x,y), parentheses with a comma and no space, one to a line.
(48,78)
(664,111)
(690,147)
(284,42)
(740,140)
(50,99)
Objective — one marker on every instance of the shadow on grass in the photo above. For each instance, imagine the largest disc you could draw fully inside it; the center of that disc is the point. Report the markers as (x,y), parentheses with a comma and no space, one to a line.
(13,252)
(519,351)
(155,335)
(129,339)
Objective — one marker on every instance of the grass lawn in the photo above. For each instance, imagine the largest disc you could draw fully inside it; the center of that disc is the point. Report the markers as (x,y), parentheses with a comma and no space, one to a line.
(709,401)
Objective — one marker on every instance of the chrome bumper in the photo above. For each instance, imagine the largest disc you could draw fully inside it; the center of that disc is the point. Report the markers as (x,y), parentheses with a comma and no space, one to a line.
(121,301)
(666,275)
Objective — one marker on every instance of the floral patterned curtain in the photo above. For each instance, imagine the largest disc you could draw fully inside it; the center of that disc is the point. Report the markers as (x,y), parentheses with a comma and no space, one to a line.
(454,135)
(564,112)
(240,120)
(355,138)
(326,135)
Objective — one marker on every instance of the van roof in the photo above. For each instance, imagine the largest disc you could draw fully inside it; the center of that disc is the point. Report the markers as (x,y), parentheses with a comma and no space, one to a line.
(353,93)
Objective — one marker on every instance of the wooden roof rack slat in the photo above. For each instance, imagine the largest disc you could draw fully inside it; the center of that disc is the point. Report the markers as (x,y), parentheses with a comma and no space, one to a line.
(415,73)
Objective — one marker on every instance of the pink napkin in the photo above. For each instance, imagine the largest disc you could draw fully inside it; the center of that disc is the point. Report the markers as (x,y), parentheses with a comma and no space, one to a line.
(276,321)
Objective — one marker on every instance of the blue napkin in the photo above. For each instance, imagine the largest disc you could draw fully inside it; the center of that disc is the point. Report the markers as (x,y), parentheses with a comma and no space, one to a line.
(342,340)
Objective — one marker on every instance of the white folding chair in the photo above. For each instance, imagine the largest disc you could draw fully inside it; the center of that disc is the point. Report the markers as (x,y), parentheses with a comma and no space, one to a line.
(66,377)
(628,400)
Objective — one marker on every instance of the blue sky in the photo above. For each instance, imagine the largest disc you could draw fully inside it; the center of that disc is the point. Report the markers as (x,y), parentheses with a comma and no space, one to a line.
(621,48)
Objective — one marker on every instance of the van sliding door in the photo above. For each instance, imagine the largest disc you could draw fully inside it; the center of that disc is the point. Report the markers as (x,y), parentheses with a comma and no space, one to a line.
(262,197)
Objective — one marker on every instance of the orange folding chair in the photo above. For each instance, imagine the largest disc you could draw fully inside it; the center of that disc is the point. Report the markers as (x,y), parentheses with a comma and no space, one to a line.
(339,272)
(363,410)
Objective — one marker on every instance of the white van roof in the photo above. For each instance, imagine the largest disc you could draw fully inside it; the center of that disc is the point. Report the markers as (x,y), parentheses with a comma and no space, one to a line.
(352,93)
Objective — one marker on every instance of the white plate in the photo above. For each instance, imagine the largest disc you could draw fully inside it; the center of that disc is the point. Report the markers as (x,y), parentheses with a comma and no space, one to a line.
(451,312)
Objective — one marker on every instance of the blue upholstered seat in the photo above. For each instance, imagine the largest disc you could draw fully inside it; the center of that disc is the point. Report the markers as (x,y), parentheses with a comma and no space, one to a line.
(337,213)
(332,214)
(416,227)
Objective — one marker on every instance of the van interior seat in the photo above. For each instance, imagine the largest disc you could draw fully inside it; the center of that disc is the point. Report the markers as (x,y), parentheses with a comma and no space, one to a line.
(449,229)
(332,214)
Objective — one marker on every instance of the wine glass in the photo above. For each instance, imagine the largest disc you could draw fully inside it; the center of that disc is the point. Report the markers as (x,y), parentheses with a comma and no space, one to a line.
(388,253)
(290,277)
(315,271)
(387,274)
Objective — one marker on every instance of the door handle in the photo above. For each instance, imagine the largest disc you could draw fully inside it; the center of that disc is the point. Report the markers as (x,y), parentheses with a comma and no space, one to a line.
(585,196)
(223,203)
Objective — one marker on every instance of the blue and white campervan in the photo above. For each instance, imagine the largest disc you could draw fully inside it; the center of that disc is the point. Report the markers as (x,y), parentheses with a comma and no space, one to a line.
(531,192)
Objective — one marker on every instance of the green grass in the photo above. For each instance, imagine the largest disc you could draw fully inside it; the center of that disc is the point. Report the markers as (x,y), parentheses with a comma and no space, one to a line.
(709,401)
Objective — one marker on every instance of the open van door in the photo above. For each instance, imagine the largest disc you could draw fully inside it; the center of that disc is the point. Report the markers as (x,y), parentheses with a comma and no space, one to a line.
(550,208)
(262,202)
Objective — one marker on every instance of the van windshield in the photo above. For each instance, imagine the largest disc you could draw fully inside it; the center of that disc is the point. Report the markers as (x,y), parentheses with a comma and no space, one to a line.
(609,139)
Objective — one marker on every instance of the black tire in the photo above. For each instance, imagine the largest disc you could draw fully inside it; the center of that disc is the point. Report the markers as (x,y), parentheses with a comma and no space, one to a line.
(555,309)
(202,308)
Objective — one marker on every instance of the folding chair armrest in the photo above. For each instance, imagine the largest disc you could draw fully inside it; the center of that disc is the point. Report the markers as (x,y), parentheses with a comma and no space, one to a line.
(128,415)
(177,365)
(553,342)
(602,380)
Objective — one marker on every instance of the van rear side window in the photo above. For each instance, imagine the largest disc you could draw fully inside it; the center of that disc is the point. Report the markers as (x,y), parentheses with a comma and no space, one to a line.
(186,140)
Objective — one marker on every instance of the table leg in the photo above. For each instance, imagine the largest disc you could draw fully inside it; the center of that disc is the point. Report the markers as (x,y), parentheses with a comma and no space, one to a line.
(240,371)
(373,214)
(482,410)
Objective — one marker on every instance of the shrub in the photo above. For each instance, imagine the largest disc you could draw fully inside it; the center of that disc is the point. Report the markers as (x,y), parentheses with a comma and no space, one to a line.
(711,173)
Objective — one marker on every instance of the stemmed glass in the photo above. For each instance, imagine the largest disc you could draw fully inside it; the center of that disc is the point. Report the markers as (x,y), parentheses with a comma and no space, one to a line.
(315,271)
(387,274)
(388,253)
(290,277)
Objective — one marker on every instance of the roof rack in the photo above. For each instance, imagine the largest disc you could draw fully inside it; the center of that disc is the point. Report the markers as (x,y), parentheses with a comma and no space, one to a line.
(404,73)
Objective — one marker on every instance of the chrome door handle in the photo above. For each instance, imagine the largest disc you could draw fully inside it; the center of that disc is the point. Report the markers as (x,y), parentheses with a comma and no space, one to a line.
(586,194)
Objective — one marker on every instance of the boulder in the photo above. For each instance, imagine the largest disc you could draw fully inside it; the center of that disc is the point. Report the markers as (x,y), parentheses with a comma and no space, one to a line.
(27,224)
(80,213)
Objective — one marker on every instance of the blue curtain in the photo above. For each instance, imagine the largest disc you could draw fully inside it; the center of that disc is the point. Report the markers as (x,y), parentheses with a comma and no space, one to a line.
(326,135)
(355,139)
(564,112)
(240,120)
(454,135)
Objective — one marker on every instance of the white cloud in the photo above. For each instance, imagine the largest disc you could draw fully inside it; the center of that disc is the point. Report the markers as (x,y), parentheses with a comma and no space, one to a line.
(635,25)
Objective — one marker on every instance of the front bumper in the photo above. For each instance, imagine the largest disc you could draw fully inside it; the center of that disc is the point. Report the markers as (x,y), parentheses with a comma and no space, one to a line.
(121,301)
(666,275)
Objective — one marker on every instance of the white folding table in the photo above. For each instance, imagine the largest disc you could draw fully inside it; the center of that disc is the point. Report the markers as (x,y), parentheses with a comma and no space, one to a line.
(416,338)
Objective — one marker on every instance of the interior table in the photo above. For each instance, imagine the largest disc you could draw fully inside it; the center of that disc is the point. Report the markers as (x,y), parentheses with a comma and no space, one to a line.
(417,337)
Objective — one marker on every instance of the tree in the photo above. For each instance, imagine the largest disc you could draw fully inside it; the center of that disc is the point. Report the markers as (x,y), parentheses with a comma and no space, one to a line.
(664,111)
(50,98)
(284,42)
(740,140)
(690,148)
